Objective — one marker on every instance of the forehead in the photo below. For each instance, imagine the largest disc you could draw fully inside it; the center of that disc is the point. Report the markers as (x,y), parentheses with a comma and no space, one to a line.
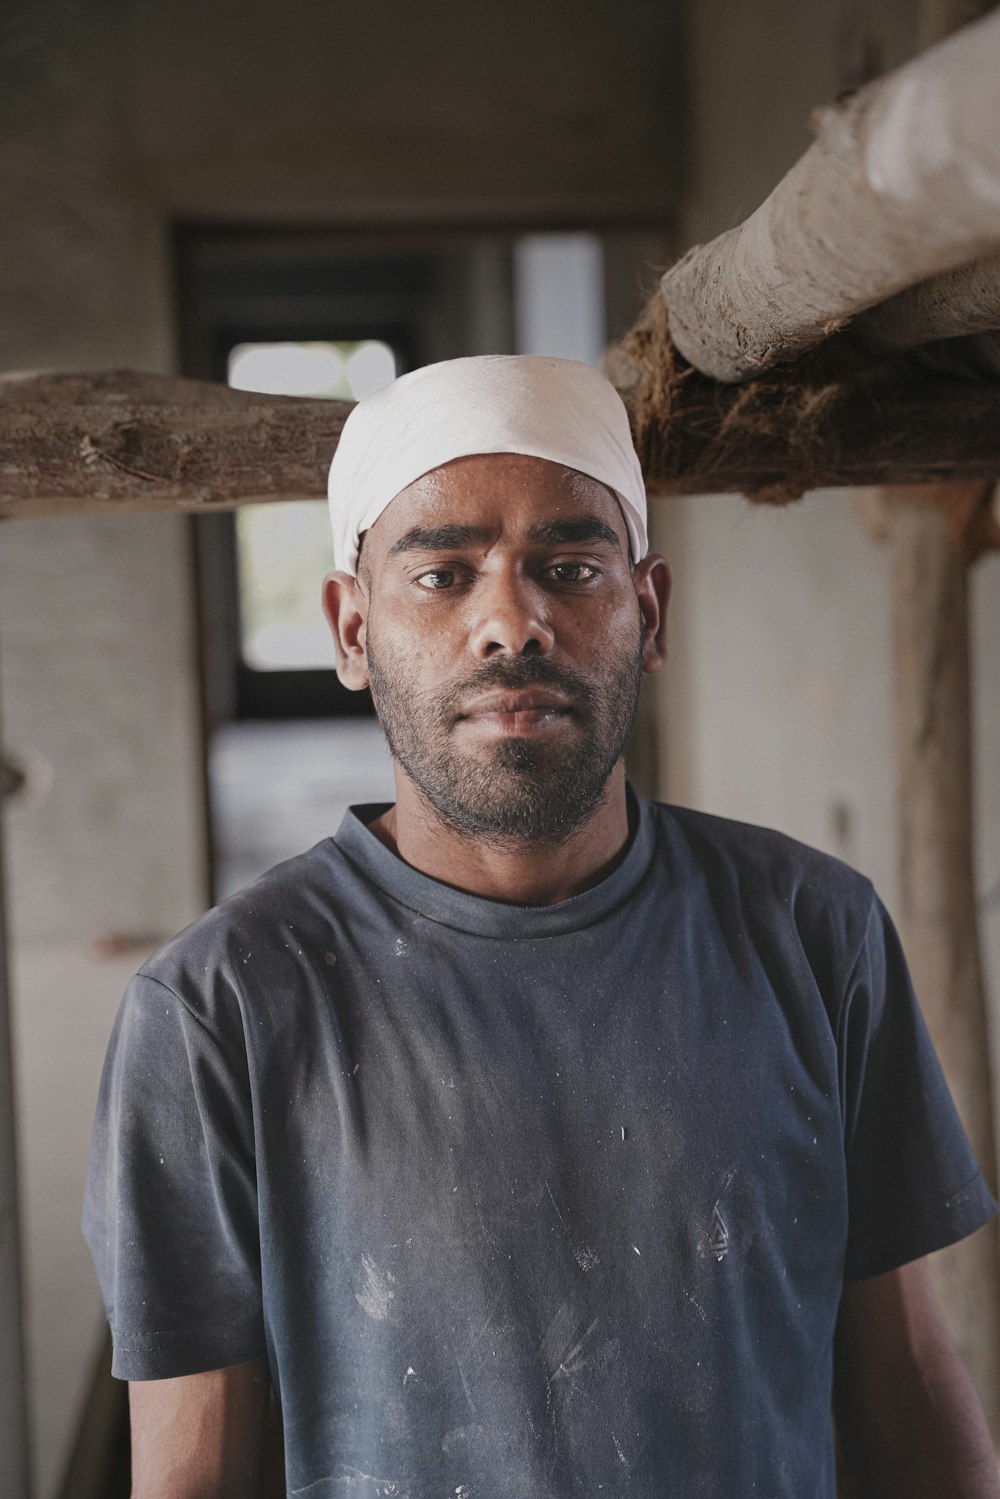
(504,493)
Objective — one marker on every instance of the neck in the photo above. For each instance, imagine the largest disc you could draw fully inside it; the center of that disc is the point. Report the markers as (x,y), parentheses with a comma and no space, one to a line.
(519,871)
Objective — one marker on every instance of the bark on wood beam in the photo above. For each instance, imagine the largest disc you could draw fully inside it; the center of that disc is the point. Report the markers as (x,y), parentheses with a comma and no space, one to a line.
(797,438)
(775,439)
(952,305)
(121,441)
(903,183)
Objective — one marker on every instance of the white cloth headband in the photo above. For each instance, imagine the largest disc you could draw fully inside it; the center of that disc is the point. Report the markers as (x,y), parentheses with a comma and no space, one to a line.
(497,403)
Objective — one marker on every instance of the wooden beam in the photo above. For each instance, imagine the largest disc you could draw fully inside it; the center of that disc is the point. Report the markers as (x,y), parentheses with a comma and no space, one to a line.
(953,305)
(902,183)
(123,441)
(126,442)
(775,441)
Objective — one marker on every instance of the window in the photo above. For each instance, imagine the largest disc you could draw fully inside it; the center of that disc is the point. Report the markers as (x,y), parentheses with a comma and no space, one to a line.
(283,549)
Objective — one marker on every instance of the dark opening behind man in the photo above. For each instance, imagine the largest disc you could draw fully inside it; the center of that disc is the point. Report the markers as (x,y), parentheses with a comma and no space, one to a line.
(530,1139)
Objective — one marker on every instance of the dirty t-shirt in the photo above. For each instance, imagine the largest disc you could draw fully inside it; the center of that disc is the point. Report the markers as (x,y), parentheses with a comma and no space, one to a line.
(526,1202)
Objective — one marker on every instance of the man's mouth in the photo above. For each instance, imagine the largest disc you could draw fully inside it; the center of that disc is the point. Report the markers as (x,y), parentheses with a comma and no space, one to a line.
(521,712)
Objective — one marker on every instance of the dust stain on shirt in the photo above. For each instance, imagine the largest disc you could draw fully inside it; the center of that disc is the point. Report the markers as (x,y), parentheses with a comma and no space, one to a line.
(377,1293)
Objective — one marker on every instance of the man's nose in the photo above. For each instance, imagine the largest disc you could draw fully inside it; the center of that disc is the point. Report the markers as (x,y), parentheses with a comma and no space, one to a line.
(510,619)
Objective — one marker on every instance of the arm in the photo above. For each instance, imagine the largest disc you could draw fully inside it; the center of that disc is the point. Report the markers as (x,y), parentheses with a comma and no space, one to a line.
(200,1436)
(907,1412)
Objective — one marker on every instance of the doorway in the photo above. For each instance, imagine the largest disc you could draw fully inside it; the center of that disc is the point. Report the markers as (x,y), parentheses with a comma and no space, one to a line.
(287,748)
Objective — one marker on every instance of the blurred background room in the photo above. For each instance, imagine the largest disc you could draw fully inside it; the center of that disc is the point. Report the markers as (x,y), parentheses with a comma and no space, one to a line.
(307,198)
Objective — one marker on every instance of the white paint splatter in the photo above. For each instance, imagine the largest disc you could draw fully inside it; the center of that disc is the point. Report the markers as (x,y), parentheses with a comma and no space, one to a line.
(637,1250)
(695,1303)
(402,947)
(715,1239)
(585,1258)
(376,1295)
(462,1437)
(465,1386)
(555,1205)
(352,1480)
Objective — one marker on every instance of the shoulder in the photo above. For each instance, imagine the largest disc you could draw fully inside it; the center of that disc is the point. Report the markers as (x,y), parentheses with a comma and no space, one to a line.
(246,942)
(768,878)
(759,852)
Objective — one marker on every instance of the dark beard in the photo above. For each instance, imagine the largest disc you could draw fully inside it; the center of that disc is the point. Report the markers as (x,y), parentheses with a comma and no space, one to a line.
(525,789)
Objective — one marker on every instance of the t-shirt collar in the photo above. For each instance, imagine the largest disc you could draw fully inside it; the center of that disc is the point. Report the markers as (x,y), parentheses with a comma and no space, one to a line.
(490,918)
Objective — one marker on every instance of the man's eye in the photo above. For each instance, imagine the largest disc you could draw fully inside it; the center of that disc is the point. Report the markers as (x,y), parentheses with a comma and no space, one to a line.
(572,572)
(439,577)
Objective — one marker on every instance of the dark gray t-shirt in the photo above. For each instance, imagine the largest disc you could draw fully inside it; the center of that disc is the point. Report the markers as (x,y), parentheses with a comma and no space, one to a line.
(526,1202)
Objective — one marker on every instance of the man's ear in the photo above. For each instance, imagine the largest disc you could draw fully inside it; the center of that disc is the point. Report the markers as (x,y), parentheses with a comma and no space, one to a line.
(652,586)
(346,608)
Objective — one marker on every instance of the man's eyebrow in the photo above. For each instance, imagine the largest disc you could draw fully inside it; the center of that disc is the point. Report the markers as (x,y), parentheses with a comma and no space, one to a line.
(563,532)
(547,532)
(440,538)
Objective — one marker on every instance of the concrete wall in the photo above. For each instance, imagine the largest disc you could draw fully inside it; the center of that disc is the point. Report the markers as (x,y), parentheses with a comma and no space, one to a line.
(114,122)
(388,110)
(755,74)
(98,695)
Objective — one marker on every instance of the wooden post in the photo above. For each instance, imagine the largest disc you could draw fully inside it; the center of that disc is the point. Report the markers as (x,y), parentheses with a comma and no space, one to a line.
(14,1471)
(930,625)
(932,547)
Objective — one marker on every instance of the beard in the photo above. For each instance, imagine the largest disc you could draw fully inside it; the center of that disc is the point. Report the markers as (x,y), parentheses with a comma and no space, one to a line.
(520,788)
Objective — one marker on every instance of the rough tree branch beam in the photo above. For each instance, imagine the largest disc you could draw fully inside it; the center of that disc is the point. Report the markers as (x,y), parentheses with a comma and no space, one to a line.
(902,184)
(953,305)
(121,441)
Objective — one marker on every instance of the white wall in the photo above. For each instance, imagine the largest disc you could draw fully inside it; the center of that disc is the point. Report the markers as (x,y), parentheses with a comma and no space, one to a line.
(789,703)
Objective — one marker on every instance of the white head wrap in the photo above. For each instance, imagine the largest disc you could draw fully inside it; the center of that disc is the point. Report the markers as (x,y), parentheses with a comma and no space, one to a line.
(497,403)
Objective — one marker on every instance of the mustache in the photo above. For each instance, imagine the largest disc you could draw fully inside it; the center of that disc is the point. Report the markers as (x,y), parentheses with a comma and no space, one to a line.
(515,673)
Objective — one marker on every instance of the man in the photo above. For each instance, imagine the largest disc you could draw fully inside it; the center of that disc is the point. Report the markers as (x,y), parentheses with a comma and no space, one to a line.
(529,1139)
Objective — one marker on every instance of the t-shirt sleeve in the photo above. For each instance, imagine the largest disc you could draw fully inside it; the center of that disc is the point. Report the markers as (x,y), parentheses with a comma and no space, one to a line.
(913,1182)
(170,1212)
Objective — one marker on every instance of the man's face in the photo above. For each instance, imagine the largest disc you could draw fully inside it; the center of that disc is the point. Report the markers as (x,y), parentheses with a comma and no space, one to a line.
(504,642)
